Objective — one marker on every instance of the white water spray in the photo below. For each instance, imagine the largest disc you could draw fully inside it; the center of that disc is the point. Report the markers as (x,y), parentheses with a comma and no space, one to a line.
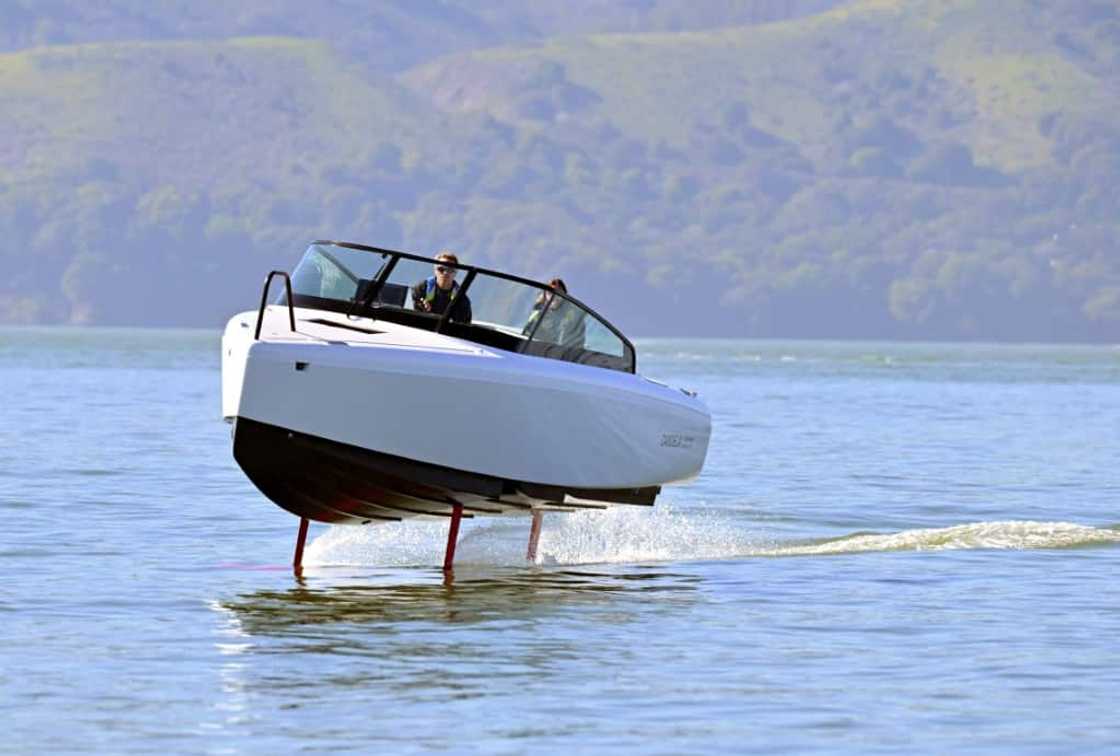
(663,534)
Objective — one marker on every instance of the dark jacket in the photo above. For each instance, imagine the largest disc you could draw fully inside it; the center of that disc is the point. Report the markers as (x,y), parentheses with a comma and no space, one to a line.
(438,299)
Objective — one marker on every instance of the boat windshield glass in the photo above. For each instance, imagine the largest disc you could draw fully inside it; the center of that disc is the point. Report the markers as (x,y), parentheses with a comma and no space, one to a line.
(483,306)
(334,273)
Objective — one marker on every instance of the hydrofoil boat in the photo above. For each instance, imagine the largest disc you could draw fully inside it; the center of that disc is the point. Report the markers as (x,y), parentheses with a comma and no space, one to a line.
(353,405)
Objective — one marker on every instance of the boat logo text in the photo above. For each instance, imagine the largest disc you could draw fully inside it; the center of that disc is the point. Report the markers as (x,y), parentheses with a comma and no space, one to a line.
(677,440)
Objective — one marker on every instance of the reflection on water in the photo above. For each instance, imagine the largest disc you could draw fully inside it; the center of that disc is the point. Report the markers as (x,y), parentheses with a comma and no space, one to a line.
(497,595)
(403,638)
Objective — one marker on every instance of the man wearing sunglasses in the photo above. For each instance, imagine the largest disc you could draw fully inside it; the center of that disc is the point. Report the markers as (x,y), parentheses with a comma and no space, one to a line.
(435,293)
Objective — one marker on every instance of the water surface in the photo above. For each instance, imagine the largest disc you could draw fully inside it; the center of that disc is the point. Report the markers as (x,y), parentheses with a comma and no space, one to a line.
(891,547)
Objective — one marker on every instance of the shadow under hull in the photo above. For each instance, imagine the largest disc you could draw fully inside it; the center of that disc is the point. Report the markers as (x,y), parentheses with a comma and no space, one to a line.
(332,482)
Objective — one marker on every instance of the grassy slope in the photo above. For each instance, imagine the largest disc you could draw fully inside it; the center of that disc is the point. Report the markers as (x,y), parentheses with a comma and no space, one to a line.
(195,112)
(1001,75)
(262,104)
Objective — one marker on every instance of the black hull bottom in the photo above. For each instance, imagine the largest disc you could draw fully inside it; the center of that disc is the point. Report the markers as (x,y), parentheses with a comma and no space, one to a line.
(331,482)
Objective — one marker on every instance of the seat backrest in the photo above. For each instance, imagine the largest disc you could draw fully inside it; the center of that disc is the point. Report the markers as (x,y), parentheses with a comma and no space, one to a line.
(391,294)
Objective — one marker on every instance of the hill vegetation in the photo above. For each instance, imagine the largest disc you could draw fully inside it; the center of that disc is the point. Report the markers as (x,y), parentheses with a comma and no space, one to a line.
(875,168)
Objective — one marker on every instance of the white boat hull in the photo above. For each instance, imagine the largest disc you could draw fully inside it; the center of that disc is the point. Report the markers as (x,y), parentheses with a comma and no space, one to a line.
(411,395)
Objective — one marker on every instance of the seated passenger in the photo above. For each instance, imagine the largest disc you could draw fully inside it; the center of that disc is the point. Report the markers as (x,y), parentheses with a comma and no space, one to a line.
(434,294)
(561,322)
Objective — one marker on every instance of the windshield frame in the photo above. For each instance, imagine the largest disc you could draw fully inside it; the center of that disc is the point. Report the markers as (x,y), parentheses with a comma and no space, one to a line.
(365,304)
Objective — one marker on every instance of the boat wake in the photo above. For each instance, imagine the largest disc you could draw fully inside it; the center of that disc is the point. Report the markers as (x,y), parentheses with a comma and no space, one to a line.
(666,534)
(1006,534)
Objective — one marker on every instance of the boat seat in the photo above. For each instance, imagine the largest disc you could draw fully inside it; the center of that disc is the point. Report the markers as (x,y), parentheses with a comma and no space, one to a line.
(391,294)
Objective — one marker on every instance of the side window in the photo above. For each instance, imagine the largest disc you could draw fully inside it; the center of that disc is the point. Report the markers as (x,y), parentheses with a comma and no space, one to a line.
(561,323)
(569,333)
(605,349)
(602,340)
(406,274)
(501,305)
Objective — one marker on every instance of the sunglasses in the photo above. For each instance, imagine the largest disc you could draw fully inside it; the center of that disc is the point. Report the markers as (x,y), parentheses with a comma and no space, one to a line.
(443,269)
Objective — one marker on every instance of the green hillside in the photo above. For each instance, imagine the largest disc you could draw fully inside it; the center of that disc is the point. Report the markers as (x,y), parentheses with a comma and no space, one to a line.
(928,169)
(803,77)
(132,160)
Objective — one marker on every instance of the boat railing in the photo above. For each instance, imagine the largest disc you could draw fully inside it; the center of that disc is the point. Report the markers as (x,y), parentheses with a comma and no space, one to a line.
(264,299)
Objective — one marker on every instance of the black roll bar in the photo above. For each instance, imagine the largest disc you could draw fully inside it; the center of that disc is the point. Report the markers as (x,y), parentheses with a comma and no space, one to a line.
(373,288)
(459,292)
(543,312)
(264,298)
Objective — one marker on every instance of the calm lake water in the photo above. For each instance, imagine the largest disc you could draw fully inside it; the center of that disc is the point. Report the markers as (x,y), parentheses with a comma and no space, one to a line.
(892,547)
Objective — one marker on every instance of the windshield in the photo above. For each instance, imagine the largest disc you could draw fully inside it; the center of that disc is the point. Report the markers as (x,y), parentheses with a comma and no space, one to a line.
(484,306)
(334,272)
